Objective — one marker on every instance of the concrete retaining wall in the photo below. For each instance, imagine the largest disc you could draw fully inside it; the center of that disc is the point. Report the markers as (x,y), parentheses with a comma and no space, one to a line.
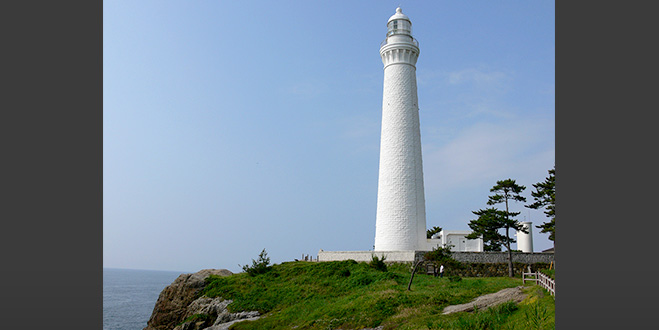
(411,256)
(502,257)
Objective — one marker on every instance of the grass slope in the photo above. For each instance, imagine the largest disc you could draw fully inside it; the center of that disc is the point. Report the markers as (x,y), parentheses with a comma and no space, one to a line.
(351,295)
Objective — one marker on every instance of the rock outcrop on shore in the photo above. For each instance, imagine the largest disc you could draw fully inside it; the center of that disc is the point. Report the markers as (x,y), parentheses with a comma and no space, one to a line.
(182,299)
(515,295)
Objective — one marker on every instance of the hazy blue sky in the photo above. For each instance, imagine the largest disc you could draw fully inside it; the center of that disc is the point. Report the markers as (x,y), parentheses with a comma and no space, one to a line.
(233,126)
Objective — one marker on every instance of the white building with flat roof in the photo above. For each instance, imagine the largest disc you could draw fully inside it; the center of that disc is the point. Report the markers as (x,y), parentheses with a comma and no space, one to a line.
(456,240)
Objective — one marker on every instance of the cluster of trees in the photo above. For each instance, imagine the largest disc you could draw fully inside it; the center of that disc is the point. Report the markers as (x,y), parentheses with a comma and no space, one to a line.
(491,220)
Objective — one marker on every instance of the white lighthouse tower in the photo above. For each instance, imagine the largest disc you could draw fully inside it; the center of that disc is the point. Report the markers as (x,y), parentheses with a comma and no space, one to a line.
(401,212)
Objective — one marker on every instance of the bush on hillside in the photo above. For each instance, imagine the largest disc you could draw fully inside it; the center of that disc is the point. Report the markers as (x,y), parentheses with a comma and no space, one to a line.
(259,266)
(548,272)
(455,278)
(378,263)
(442,256)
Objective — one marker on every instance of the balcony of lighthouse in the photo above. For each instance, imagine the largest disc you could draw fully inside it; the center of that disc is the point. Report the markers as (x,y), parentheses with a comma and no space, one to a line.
(413,40)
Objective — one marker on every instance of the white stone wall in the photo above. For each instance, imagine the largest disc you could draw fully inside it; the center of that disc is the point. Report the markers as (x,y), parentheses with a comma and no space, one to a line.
(401,215)
(409,256)
(366,256)
(502,257)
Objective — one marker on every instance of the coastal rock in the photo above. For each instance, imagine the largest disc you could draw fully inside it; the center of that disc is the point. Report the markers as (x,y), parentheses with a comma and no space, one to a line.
(510,294)
(227,317)
(209,306)
(221,324)
(172,305)
(216,315)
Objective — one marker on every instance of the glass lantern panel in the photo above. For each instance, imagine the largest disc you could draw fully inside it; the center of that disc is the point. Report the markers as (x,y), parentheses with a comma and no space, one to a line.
(399,26)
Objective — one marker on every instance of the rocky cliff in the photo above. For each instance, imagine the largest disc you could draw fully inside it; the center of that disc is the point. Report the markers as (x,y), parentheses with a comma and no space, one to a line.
(182,300)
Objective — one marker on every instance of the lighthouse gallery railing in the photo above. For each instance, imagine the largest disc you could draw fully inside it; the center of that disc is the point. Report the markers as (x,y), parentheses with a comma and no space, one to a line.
(416,42)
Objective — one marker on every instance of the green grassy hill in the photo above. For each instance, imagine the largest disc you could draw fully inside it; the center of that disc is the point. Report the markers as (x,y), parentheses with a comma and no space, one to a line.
(351,295)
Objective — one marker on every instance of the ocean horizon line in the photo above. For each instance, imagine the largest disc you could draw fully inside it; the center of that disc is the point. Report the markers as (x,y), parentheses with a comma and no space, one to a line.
(151,270)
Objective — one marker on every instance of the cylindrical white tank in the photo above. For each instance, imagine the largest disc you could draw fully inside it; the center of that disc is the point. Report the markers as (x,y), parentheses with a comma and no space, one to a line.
(525,241)
(401,215)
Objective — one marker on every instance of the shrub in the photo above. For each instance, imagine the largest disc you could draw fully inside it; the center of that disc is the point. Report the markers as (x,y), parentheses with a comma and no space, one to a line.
(344,272)
(537,316)
(491,318)
(442,256)
(378,263)
(259,266)
(548,272)
(455,278)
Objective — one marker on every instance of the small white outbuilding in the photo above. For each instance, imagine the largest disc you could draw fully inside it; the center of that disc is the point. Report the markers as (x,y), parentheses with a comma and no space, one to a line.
(457,240)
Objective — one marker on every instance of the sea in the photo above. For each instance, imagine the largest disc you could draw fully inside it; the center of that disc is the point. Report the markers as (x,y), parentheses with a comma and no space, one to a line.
(129,296)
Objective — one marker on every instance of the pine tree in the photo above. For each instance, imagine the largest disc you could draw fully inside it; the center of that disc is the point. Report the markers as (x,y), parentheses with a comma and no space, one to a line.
(433,231)
(545,196)
(508,190)
(487,227)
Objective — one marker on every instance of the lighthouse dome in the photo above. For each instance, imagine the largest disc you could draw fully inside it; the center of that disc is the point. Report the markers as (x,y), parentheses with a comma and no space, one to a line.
(398,15)
(399,23)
